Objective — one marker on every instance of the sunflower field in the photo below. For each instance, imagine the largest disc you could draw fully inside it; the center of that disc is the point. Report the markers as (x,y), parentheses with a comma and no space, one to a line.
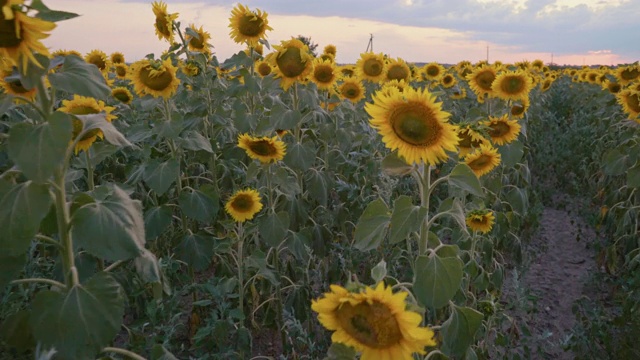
(278,205)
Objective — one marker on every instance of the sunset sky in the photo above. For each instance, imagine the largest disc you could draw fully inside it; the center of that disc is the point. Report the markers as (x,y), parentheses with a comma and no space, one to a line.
(447,31)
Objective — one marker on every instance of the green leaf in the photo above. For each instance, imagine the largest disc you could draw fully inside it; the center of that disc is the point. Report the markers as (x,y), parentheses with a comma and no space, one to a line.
(454,208)
(194,141)
(300,157)
(78,77)
(633,176)
(39,150)
(459,331)
(517,199)
(406,218)
(379,272)
(437,280)
(156,220)
(97,153)
(47,14)
(10,266)
(147,267)
(394,165)
(288,120)
(511,154)
(273,228)
(196,250)
(99,121)
(15,331)
(614,162)
(112,229)
(22,208)
(159,176)
(80,322)
(198,205)
(158,352)
(463,177)
(339,351)
(317,186)
(372,226)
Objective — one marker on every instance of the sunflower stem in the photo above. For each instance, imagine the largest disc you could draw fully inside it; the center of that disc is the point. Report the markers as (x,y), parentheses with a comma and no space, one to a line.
(425,185)
(279,305)
(40,281)
(45,101)
(472,254)
(267,170)
(62,217)
(87,158)
(240,261)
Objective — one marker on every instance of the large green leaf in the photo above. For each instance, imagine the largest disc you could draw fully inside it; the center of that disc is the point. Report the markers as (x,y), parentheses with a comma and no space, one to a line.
(22,208)
(193,140)
(463,177)
(288,120)
(198,205)
(437,280)
(79,77)
(300,156)
(156,220)
(318,186)
(392,164)
(339,351)
(99,121)
(406,218)
(47,14)
(196,250)
(10,266)
(79,322)
(16,332)
(459,330)
(372,226)
(273,228)
(614,162)
(39,150)
(111,229)
(454,208)
(511,154)
(159,176)
(633,176)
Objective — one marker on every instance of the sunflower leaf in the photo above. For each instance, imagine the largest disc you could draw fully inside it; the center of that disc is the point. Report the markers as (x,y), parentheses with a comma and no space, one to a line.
(47,14)
(196,250)
(393,165)
(159,176)
(633,176)
(406,218)
(198,205)
(437,280)
(156,220)
(463,177)
(10,266)
(372,226)
(459,331)
(512,153)
(16,332)
(615,162)
(194,141)
(81,78)
(300,157)
(273,228)
(39,150)
(99,121)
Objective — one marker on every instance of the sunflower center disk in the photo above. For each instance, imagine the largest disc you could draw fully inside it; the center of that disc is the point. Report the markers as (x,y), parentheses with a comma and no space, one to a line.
(8,36)
(163,26)
(196,43)
(290,62)
(158,82)
(264,69)
(17,87)
(517,109)
(351,92)
(397,73)
(122,96)
(415,126)
(633,101)
(499,129)
(323,74)
(481,162)
(485,80)
(250,25)
(512,85)
(372,67)
(371,324)
(630,74)
(121,71)
(98,61)
(433,71)
(242,203)
(262,148)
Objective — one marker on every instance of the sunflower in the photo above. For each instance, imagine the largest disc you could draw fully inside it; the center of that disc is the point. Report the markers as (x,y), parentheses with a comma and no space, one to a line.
(347,71)
(400,85)
(352,90)
(398,70)
(20,34)
(627,74)
(512,85)
(371,67)
(190,68)
(630,101)
(612,86)
(263,68)
(81,105)
(502,130)
(483,160)
(264,149)
(13,86)
(330,49)
(117,58)
(99,59)
(324,74)
(545,85)
(121,70)
(154,77)
(448,80)
(164,21)
(519,109)
(122,94)
(537,64)
(480,220)
(243,205)
(248,26)
(458,94)
(480,80)
(433,71)
(469,140)
(375,322)
(293,62)
(415,124)
(199,43)
(63,52)
(328,57)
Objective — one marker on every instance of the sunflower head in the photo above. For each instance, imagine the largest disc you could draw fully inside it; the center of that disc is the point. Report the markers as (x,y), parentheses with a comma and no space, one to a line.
(433,71)
(480,220)
(413,123)
(371,67)
(628,74)
(512,85)
(154,77)
(117,58)
(448,80)
(190,68)
(99,59)
(243,205)
(122,94)
(264,149)
(81,105)
(469,140)
(502,130)
(330,49)
(199,40)
(248,26)
(458,94)
(352,90)
(399,85)
(14,86)
(324,74)
(483,159)
(537,64)
(397,69)
(264,68)
(480,80)
(121,70)
(519,109)
(293,62)
(630,101)
(164,21)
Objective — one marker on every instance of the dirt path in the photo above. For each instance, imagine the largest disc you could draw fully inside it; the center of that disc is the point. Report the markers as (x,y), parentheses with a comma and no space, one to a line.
(560,261)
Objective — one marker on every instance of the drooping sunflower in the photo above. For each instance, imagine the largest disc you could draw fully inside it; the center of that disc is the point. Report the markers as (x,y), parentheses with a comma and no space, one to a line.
(243,205)
(351,89)
(248,26)
(371,67)
(613,87)
(264,68)
(458,93)
(99,59)
(627,74)
(164,21)
(413,123)
(480,80)
(397,69)
(537,64)
(448,80)
(154,77)
(199,43)
(15,87)
(330,49)
(264,149)
(190,68)
(117,58)
(630,101)
(122,94)
(328,57)
(81,105)
(512,85)
(545,85)
(483,160)
(520,108)
(433,71)
(20,34)
(293,62)
(375,322)
(324,74)
(469,140)
(480,220)
(502,130)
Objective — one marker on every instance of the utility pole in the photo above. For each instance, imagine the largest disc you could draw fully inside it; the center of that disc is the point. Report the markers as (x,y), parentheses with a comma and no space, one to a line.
(487,54)
(370,44)
(551,59)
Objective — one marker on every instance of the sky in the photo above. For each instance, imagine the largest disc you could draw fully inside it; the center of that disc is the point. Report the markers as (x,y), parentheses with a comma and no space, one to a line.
(576,32)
